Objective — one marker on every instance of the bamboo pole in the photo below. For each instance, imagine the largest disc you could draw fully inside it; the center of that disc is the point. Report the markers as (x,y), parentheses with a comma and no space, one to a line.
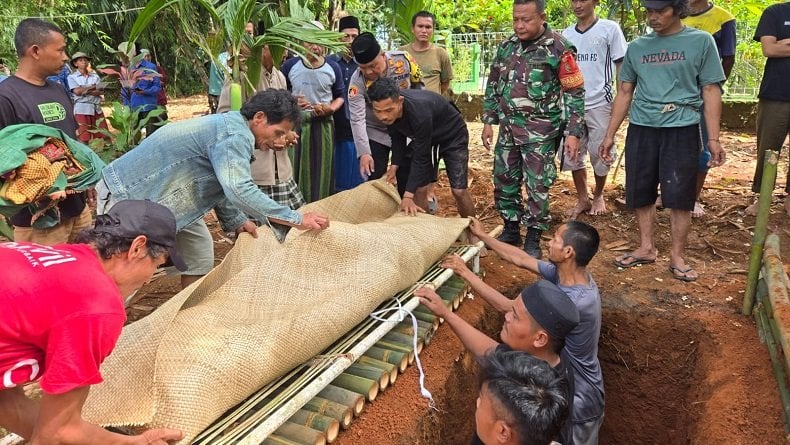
(265,428)
(776,285)
(277,440)
(388,368)
(406,349)
(402,339)
(345,397)
(300,434)
(776,364)
(337,411)
(397,358)
(370,372)
(407,329)
(328,425)
(360,385)
(760,228)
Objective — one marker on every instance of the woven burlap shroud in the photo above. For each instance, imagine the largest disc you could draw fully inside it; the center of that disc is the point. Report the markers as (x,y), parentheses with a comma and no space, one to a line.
(264,310)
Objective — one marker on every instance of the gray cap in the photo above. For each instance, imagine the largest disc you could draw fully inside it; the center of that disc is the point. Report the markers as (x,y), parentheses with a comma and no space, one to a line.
(132,218)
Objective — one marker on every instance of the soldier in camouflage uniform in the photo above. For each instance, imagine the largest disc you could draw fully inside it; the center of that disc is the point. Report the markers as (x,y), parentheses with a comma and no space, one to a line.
(533,74)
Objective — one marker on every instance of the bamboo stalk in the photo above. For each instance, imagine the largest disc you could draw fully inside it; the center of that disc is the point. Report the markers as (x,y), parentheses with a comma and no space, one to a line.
(370,372)
(760,228)
(300,434)
(407,349)
(326,407)
(425,315)
(328,425)
(360,385)
(277,440)
(397,358)
(776,364)
(344,397)
(388,368)
(402,339)
(408,329)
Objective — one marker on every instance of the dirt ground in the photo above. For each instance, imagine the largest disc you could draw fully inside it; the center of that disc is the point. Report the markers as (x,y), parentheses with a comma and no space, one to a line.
(681,365)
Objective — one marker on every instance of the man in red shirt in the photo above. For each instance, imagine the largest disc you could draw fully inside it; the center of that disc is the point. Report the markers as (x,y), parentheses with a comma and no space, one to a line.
(63,310)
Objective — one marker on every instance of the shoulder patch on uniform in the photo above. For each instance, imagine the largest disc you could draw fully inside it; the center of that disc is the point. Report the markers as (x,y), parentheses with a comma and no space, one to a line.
(569,73)
(353,91)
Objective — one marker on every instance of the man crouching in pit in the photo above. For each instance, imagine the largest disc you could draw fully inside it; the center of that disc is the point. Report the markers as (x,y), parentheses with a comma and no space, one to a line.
(62,313)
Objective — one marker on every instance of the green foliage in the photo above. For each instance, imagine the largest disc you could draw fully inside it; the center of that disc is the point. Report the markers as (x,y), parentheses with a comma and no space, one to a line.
(127,133)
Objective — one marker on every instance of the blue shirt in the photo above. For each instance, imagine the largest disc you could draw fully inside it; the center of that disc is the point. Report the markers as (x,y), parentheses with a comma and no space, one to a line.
(582,346)
(144,93)
(194,166)
(343,118)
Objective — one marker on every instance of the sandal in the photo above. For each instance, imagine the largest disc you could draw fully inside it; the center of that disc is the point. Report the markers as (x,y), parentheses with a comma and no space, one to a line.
(634,261)
(682,274)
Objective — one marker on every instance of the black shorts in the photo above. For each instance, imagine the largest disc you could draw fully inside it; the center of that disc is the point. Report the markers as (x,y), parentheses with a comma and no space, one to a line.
(666,156)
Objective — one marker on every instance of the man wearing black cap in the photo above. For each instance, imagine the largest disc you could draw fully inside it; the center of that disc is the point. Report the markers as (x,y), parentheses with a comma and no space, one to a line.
(63,310)
(370,135)
(570,250)
(676,67)
(346,162)
(537,323)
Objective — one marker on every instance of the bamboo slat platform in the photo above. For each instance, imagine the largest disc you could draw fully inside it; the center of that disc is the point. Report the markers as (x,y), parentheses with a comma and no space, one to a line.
(313,402)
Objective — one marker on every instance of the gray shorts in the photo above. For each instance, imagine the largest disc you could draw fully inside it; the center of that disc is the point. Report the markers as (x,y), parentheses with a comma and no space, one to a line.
(596,121)
(194,242)
(587,433)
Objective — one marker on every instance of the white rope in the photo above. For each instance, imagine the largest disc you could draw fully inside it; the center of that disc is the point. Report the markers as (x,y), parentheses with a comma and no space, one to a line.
(379,315)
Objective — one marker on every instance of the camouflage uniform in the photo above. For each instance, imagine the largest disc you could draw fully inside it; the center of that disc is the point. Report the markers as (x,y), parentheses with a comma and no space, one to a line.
(525,93)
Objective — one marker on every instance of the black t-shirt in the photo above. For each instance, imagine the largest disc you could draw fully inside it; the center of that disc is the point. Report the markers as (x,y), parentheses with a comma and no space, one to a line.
(430,120)
(775,22)
(22,102)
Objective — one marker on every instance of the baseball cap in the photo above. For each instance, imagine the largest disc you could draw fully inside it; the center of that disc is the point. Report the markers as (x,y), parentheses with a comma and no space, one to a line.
(365,48)
(131,218)
(551,307)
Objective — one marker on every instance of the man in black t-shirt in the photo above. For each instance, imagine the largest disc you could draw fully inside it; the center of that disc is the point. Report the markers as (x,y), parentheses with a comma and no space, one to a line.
(773,109)
(437,130)
(28,97)
(537,323)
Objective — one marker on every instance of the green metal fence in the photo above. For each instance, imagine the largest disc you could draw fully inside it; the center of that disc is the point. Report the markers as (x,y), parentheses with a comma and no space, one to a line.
(472,54)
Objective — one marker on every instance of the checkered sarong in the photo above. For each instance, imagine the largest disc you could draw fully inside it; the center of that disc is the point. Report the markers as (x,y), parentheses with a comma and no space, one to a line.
(285,193)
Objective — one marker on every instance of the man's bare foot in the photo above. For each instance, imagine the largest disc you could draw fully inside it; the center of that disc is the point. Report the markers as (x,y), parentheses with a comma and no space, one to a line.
(598,206)
(582,206)
(659,203)
(698,211)
(751,210)
(787,204)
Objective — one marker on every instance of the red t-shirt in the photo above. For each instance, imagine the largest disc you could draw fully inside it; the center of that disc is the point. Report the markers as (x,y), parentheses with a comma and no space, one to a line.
(60,316)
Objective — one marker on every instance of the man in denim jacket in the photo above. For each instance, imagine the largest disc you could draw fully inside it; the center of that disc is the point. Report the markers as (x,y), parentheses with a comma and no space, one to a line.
(201,164)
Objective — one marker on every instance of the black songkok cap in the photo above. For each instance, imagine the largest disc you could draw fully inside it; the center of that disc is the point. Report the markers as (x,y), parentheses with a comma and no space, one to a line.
(348,21)
(551,307)
(365,48)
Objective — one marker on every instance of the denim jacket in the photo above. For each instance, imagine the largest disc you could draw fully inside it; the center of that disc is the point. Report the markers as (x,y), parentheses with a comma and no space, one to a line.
(194,166)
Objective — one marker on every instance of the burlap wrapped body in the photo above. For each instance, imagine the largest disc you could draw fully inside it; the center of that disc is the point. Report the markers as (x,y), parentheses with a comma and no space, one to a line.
(267,308)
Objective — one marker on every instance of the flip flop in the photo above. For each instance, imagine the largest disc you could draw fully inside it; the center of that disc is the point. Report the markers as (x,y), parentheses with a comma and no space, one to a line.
(680,274)
(433,206)
(636,261)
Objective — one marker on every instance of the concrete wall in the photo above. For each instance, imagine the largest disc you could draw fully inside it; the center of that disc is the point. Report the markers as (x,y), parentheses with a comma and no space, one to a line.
(734,115)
